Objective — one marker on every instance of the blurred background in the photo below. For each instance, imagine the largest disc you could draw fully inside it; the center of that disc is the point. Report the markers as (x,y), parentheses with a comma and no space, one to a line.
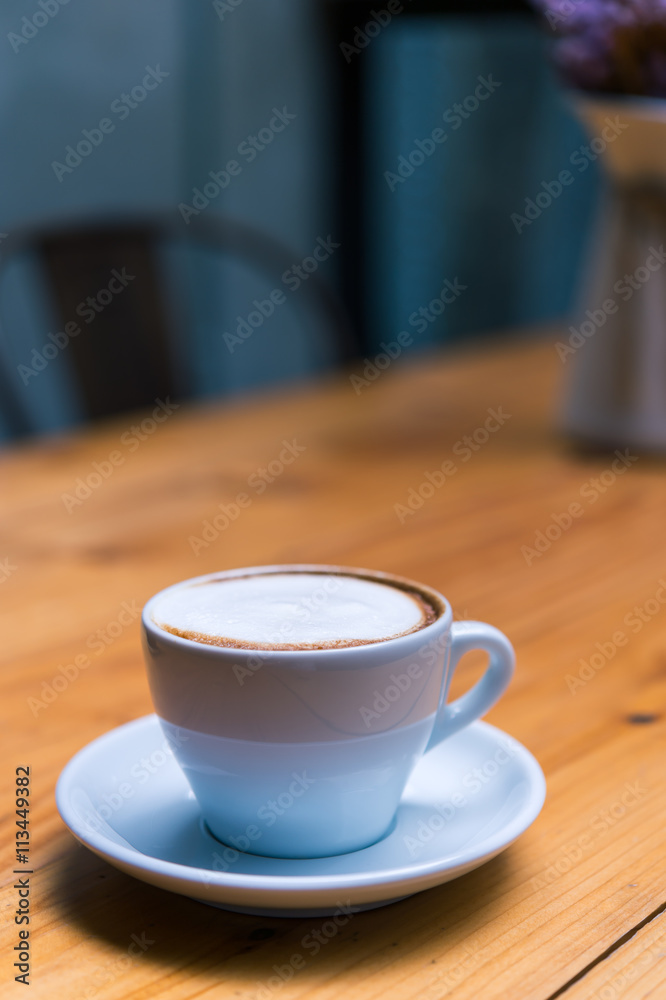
(202,199)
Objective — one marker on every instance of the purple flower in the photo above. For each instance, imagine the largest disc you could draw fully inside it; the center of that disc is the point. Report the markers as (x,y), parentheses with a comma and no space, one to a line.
(616,46)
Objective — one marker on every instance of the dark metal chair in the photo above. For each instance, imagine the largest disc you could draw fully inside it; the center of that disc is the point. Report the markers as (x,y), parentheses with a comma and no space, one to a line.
(130,360)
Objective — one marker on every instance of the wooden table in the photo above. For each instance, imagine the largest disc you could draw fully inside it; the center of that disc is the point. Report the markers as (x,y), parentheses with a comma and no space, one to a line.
(575,906)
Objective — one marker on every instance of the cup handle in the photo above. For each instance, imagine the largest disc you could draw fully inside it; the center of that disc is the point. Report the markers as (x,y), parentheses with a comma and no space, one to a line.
(465,636)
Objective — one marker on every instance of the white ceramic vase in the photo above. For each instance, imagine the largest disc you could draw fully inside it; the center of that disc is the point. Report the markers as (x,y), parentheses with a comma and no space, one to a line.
(616,389)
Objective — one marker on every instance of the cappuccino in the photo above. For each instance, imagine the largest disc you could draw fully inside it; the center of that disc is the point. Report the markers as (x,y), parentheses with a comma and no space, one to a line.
(293,610)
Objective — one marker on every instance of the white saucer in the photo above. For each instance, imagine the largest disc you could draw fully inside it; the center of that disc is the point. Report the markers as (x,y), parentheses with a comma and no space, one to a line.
(125,798)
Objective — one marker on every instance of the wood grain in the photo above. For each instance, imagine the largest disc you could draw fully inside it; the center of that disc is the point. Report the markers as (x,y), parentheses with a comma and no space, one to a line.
(634,971)
(588,872)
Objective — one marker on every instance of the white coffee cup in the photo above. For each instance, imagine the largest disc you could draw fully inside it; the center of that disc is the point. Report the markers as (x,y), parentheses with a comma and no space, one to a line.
(302,753)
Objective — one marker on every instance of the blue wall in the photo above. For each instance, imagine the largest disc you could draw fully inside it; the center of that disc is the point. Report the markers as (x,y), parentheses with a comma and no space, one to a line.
(452,216)
(226,72)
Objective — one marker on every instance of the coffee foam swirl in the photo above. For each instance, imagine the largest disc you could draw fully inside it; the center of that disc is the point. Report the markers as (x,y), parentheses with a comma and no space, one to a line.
(292,610)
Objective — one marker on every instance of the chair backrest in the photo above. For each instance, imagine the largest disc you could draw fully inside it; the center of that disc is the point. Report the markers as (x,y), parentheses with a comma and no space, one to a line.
(130,361)
(126,363)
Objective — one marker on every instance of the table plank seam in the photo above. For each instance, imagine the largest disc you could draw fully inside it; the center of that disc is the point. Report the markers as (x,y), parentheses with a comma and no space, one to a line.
(609,951)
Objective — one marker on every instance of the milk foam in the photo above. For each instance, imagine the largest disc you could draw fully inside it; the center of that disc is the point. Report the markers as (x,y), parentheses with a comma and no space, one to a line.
(312,610)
